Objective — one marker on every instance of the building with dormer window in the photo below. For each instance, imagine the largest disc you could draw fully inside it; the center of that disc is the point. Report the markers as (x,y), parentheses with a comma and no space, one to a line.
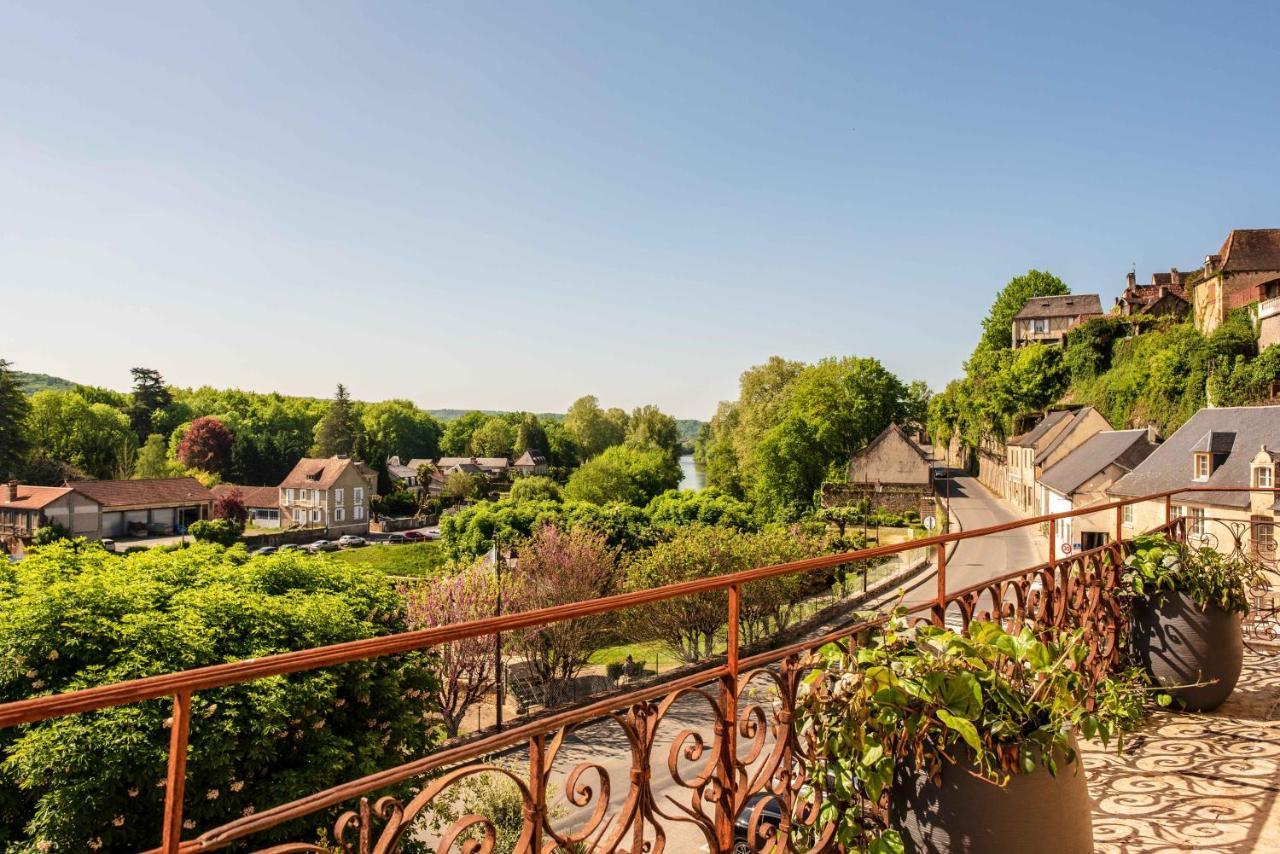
(334,492)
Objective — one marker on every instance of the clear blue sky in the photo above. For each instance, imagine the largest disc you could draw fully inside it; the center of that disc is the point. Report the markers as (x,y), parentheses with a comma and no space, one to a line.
(511,205)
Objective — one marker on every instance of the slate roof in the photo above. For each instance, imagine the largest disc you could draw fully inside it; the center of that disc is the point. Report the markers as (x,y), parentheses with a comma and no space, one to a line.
(529,459)
(1120,447)
(31,497)
(1250,249)
(154,492)
(1069,305)
(255,497)
(483,462)
(1077,418)
(1169,466)
(1037,433)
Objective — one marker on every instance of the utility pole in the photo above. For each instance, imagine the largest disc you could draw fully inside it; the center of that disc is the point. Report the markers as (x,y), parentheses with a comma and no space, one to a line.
(497,645)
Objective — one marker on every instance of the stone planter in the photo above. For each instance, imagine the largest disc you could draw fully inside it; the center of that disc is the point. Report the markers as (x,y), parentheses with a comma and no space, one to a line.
(1180,644)
(1036,812)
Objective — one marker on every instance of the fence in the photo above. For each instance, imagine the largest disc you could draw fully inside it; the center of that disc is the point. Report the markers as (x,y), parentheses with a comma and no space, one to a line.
(751,749)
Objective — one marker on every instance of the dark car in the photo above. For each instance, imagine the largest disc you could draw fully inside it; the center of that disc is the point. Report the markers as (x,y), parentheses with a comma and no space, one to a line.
(414,536)
(770,817)
(397,538)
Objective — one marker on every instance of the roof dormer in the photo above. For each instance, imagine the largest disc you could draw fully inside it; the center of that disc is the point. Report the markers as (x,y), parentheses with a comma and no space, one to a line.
(1262,469)
(1210,452)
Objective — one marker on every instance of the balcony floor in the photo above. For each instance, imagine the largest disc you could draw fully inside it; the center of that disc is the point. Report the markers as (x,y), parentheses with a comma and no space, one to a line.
(1196,782)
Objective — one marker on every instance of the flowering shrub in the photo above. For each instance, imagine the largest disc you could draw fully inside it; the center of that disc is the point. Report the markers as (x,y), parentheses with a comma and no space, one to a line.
(73,619)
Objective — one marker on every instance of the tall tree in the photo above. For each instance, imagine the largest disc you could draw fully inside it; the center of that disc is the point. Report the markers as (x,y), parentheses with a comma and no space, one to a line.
(14,410)
(339,430)
(150,395)
(593,428)
(495,438)
(649,425)
(153,459)
(456,441)
(206,445)
(531,436)
(997,326)
(91,437)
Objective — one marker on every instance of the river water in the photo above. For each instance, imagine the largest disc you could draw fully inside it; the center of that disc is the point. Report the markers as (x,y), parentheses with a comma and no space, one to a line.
(692,476)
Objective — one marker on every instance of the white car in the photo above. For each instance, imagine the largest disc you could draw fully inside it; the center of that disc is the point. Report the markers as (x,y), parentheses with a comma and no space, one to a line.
(351,541)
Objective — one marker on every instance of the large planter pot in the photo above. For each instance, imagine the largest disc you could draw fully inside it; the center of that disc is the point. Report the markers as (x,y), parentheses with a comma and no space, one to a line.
(1180,644)
(1036,812)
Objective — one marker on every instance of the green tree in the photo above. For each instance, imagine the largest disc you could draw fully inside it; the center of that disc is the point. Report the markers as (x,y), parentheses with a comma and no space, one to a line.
(90,437)
(14,411)
(456,441)
(677,508)
(338,431)
(792,463)
(997,326)
(530,436)
(462,486)
(648,425)
(534,489)
(630,475)
(495,438)
(397,428)
(153,459)
(592,428)
(562,449)
(150,395)
(73,619)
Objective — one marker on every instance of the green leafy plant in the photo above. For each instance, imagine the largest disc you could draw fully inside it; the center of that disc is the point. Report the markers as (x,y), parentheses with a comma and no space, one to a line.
(223,532)
(1002,703)
(1159,565)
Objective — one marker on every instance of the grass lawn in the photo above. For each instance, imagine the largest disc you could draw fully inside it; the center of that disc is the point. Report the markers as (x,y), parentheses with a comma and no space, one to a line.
(645,651)
(417,559)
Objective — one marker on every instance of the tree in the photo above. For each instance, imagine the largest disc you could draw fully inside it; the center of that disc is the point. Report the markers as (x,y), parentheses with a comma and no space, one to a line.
(206,445)
(534,489)
(562,449)
(398,428)
(456,441)
(592,428)
(67,428)
(15,408)
(792,463)
(466,667)
(648,425)
(627,474)
(530,436)
(230,506)
(338,431)
(462,486)
(678,508)
(153,459)
(73,619)
(997,326)
(495,438)
(150,395)
(557,567)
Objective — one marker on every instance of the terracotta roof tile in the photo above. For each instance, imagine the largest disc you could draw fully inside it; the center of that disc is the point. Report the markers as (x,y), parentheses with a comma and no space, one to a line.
(31,497)
(153,491)
(1251,249)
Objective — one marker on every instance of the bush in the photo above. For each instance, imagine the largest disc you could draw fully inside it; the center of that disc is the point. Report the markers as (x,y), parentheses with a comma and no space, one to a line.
(535,488)
(74,619)
(222,532)
(51,533)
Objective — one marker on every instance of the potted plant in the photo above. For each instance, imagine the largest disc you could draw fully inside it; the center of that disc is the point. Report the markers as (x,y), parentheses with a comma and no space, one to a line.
(1188,604)
(929,740)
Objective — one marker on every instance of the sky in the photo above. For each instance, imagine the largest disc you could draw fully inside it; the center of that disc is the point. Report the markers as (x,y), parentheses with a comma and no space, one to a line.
(508,206)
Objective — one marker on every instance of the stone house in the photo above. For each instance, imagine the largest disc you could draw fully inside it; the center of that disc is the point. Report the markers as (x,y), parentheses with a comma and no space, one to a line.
(1216,447)
(261,502)
(160,506)
(404,476)
(1046,320)
(1245,270)
(1057,434)
(1166,296)
(893,472)
(530,463)
(23,509)
(1082,478)
(334,492)
(496,468)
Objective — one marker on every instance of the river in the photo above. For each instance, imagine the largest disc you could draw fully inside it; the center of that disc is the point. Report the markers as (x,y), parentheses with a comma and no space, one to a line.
(692,476)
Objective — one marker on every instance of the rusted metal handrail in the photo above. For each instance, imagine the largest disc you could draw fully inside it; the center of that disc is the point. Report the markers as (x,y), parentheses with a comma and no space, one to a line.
(181,685)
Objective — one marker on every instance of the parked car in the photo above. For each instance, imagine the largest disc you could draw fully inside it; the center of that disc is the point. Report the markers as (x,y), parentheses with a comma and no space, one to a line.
(432,534)
(397,538)
(264,551)
(290,547)
(351,541)
(771,815)
(414,536)
(322,546)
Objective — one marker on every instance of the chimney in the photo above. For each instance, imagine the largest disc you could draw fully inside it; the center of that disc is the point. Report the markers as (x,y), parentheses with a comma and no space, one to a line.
(13,489)
(1132,279)
(1175,278)
(1152,436)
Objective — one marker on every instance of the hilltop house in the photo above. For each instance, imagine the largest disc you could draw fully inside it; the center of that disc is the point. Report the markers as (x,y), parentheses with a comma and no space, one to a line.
(25,508)
(146,507)
(261,502)
(1165,296)
(333,492)
(1216,447)
(893,472)
(1082,478)
(1046,320)
(1059,433)
(530,463)
(1245,270)
(498,468)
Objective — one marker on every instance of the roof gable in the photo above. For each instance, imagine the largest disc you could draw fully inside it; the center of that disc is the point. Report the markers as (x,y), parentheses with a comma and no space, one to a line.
(1247,249)
(1068,305)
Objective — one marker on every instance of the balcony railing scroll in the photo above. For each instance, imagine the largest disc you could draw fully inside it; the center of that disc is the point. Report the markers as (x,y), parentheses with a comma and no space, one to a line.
(712,778)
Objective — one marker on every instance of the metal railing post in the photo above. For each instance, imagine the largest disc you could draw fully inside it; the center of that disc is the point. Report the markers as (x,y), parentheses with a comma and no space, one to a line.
(176,781)
(1053,543)
(942,583)
(728,776)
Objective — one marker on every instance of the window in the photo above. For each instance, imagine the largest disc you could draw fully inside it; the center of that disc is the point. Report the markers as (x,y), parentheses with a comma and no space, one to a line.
(1263,477)
(299,516)
(315,515)
(339,514)
(357,494)
(1128,515)
(1202,467)
(1196,526)
(289,495)
(338,496)
(1040,325)
(359,512)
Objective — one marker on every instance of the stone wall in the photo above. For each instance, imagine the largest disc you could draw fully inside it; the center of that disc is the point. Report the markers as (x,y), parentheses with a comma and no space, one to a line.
(895,497)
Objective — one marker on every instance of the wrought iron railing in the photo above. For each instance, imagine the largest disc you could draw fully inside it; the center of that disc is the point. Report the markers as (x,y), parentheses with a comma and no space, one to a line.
(751,748)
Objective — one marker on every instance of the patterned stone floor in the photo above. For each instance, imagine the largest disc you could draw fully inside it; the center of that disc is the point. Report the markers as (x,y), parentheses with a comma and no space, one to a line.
(1196,782)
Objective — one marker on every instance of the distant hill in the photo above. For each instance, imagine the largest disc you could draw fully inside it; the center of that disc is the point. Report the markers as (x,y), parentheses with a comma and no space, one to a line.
(32,383)
(454,414)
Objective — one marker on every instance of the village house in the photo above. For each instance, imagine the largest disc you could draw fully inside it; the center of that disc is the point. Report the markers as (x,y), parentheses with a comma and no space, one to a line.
(1166,296)
(334,492)
(1082,478)
(24,509)
(1216,447)
(1245,270)
(404,476)
(498,468)
(147,507)
(1057,434)
(261,502)
(1046,320)
(892,472)
(530,463)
